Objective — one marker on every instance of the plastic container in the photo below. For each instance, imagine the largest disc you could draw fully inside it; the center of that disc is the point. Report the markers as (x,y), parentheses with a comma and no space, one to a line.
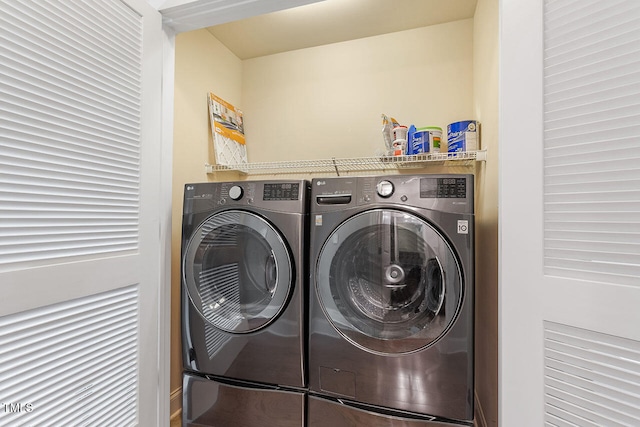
(435,137)
(399,147)
(410,133)
(419,142)
(400,132)
(424,140)
(462,136)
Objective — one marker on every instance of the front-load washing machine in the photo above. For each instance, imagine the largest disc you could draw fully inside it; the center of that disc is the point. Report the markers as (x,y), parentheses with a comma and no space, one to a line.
(391,301)
(243,303)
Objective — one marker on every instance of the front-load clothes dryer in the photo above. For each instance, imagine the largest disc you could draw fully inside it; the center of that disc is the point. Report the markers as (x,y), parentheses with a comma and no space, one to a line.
(243,296)
(391,300)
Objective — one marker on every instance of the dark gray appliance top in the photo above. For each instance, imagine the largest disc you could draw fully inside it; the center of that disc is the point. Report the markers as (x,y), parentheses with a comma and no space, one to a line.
(442,192)
(273,195)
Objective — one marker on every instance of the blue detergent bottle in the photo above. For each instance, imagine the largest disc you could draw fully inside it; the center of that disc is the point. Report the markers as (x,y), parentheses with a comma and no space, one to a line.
(410,132)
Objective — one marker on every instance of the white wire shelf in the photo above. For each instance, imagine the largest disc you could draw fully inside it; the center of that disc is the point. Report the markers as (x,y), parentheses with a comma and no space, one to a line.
(339,165)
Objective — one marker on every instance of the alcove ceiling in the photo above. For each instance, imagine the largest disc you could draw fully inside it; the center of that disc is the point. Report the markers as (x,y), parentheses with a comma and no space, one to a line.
(333,21)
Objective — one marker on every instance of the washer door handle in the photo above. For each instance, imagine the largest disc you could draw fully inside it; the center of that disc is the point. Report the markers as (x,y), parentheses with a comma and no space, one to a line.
(270,273)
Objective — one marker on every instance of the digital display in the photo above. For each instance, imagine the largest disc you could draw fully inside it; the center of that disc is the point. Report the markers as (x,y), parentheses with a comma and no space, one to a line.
(281,191)
(443,188)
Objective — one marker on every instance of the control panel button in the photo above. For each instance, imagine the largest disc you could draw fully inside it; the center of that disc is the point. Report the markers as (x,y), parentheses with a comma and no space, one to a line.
(384,188)
(235,192)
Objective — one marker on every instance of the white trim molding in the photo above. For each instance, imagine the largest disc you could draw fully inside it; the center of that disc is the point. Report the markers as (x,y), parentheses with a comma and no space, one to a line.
(198,14)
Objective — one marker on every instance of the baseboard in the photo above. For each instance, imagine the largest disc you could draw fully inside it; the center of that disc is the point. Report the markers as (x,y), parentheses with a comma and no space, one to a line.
(176,402)
(176,419)
(480,420)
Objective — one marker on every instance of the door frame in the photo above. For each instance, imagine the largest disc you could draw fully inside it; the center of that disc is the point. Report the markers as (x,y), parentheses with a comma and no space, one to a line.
(520,211)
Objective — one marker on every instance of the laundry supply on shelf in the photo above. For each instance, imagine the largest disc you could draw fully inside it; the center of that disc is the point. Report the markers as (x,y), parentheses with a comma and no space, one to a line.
(463,136)
(394,135)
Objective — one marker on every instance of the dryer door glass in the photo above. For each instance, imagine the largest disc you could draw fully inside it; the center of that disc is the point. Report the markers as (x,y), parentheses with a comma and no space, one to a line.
(389,282)
(237,271)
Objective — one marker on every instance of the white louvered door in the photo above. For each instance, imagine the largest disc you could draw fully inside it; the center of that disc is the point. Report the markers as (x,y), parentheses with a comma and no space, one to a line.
(80,212)
(570,213)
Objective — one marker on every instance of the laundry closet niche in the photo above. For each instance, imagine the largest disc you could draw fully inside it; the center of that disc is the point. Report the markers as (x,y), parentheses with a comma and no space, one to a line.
(326,101)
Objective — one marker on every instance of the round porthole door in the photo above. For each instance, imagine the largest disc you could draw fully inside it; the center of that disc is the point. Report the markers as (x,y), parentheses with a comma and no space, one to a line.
(237,271)
(389,282)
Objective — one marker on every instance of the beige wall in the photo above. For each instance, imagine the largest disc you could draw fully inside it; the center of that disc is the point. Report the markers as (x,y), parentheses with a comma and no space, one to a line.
(326,101)
(202,64)
(485,85)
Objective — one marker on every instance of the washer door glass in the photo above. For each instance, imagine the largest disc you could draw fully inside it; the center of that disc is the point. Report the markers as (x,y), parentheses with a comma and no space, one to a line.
(388,282)
(237,271)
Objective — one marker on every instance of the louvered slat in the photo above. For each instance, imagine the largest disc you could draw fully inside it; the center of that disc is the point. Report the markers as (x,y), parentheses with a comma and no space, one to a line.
(69,131)
(592,140)
(591,379)
(74,363)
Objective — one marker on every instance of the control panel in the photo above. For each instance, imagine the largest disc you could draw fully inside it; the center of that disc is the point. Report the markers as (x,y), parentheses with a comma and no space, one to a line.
(443,188)
(281,191)
(444,192)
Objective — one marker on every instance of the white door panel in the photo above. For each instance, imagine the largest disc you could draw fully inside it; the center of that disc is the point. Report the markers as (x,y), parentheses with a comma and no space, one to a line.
(610,309)
(569,216)
(80,214)
(34,287)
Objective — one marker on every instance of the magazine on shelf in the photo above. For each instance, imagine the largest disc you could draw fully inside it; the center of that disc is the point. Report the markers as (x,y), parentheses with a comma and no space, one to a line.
(227,128)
